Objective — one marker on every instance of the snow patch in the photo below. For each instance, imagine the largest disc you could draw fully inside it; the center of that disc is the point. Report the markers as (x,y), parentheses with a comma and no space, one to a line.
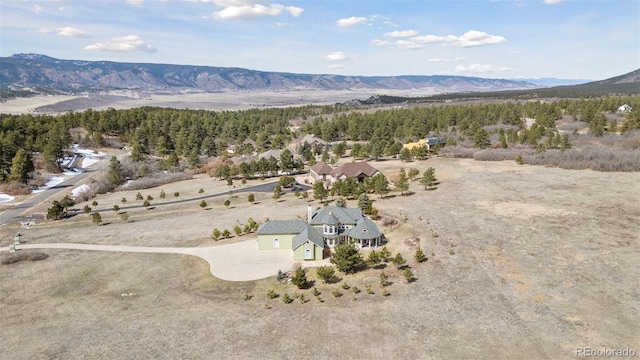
(6,198)
(55,180)
(77,191)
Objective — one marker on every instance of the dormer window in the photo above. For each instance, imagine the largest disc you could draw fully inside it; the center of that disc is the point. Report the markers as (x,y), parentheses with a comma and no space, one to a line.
(329,229)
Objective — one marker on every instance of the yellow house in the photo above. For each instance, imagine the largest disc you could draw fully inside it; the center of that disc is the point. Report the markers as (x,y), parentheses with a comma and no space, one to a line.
(419,143)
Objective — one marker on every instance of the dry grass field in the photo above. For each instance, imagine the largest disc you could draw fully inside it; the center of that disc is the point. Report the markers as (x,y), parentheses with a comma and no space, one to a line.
(524,262)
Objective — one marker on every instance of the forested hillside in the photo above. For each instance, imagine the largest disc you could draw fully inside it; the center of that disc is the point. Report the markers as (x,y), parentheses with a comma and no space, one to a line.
(192,135)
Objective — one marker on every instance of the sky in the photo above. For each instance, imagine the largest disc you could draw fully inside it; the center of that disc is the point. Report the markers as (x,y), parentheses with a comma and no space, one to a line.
(569,39)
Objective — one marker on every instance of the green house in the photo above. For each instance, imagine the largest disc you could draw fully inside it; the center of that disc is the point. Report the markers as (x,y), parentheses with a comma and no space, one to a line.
(327,227)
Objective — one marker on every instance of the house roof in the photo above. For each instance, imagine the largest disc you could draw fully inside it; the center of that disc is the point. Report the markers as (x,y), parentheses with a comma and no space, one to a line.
(354,169)
(310,234)
(310,139)
(321,168)
(269,153)
(364,229)
(282,227)
(327,214)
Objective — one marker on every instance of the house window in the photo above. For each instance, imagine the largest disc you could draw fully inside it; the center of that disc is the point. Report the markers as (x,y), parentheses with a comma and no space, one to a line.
(307,254)
(329,229)
(276,243)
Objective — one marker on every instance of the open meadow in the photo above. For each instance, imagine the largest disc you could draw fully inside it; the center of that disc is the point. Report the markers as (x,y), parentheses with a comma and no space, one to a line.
(523,262)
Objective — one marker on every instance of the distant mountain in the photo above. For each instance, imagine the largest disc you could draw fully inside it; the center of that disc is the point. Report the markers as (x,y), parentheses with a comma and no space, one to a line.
(46,74)
(553,81)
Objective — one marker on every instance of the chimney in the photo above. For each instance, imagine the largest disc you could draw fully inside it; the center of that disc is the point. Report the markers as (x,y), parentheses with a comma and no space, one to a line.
(309,213)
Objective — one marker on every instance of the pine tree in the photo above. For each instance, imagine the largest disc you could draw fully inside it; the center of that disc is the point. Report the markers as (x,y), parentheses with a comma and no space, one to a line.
(398,261)
(21,166)
(116,172)
(380,185)
(326,273)
(346,257)
(96,218)
(319,191)
(374,258)
(341,202)
(419,256)
(299,279)
(403,182)
(413,173)
(481,139)
(428,178)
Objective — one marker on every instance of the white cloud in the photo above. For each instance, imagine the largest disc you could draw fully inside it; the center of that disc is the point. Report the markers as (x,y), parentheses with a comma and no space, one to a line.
(408,45)
(73,32)
(335,67)
(248,9)
(474,38)
(351,21)
(426,39)
(336,56)
(552,2)
(135,2)
(66,31)
(403,33)
(128,43)
(441,59)
(36,9)
(481,68)
(377,42)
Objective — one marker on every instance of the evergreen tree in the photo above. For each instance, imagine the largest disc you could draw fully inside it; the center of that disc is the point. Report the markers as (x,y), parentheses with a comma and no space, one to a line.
(96,218)
(481,139)
(405,154)
(319,191)
(364,203)
(398,261)
(251,198)
(346,257)
(215,234)
(380,185)
(116,172)
(403,182)
(341,202)
(299,279)
(326,273)
(413,173)
(408,275)
(419,256)
(55,211)
(428,178)
(374,258)
(21,166)
(277,192)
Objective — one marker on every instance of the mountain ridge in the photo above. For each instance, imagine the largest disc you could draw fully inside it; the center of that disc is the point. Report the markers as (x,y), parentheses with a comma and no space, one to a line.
(37,71)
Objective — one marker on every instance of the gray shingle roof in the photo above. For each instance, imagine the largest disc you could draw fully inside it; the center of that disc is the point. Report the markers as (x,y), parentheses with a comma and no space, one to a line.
(326,214)
(282,227)
(364,229)
(309,233)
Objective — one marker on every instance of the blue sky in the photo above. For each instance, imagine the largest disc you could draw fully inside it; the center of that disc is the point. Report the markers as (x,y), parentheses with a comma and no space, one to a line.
(579,39)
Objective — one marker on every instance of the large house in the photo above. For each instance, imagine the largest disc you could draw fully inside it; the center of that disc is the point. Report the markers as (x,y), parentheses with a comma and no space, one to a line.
(428,142)
(324,228)
(357,170)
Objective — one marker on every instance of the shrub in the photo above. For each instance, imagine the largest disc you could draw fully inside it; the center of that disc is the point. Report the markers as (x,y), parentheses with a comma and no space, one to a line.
(419,256)
(408,275)
(272,294)
(162,194)
(315,292)
(326,273)
(346,286)
(203,204)
(139,196)
(86,209)
(336,293)
(176,194)
(287,299)
(123,200)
